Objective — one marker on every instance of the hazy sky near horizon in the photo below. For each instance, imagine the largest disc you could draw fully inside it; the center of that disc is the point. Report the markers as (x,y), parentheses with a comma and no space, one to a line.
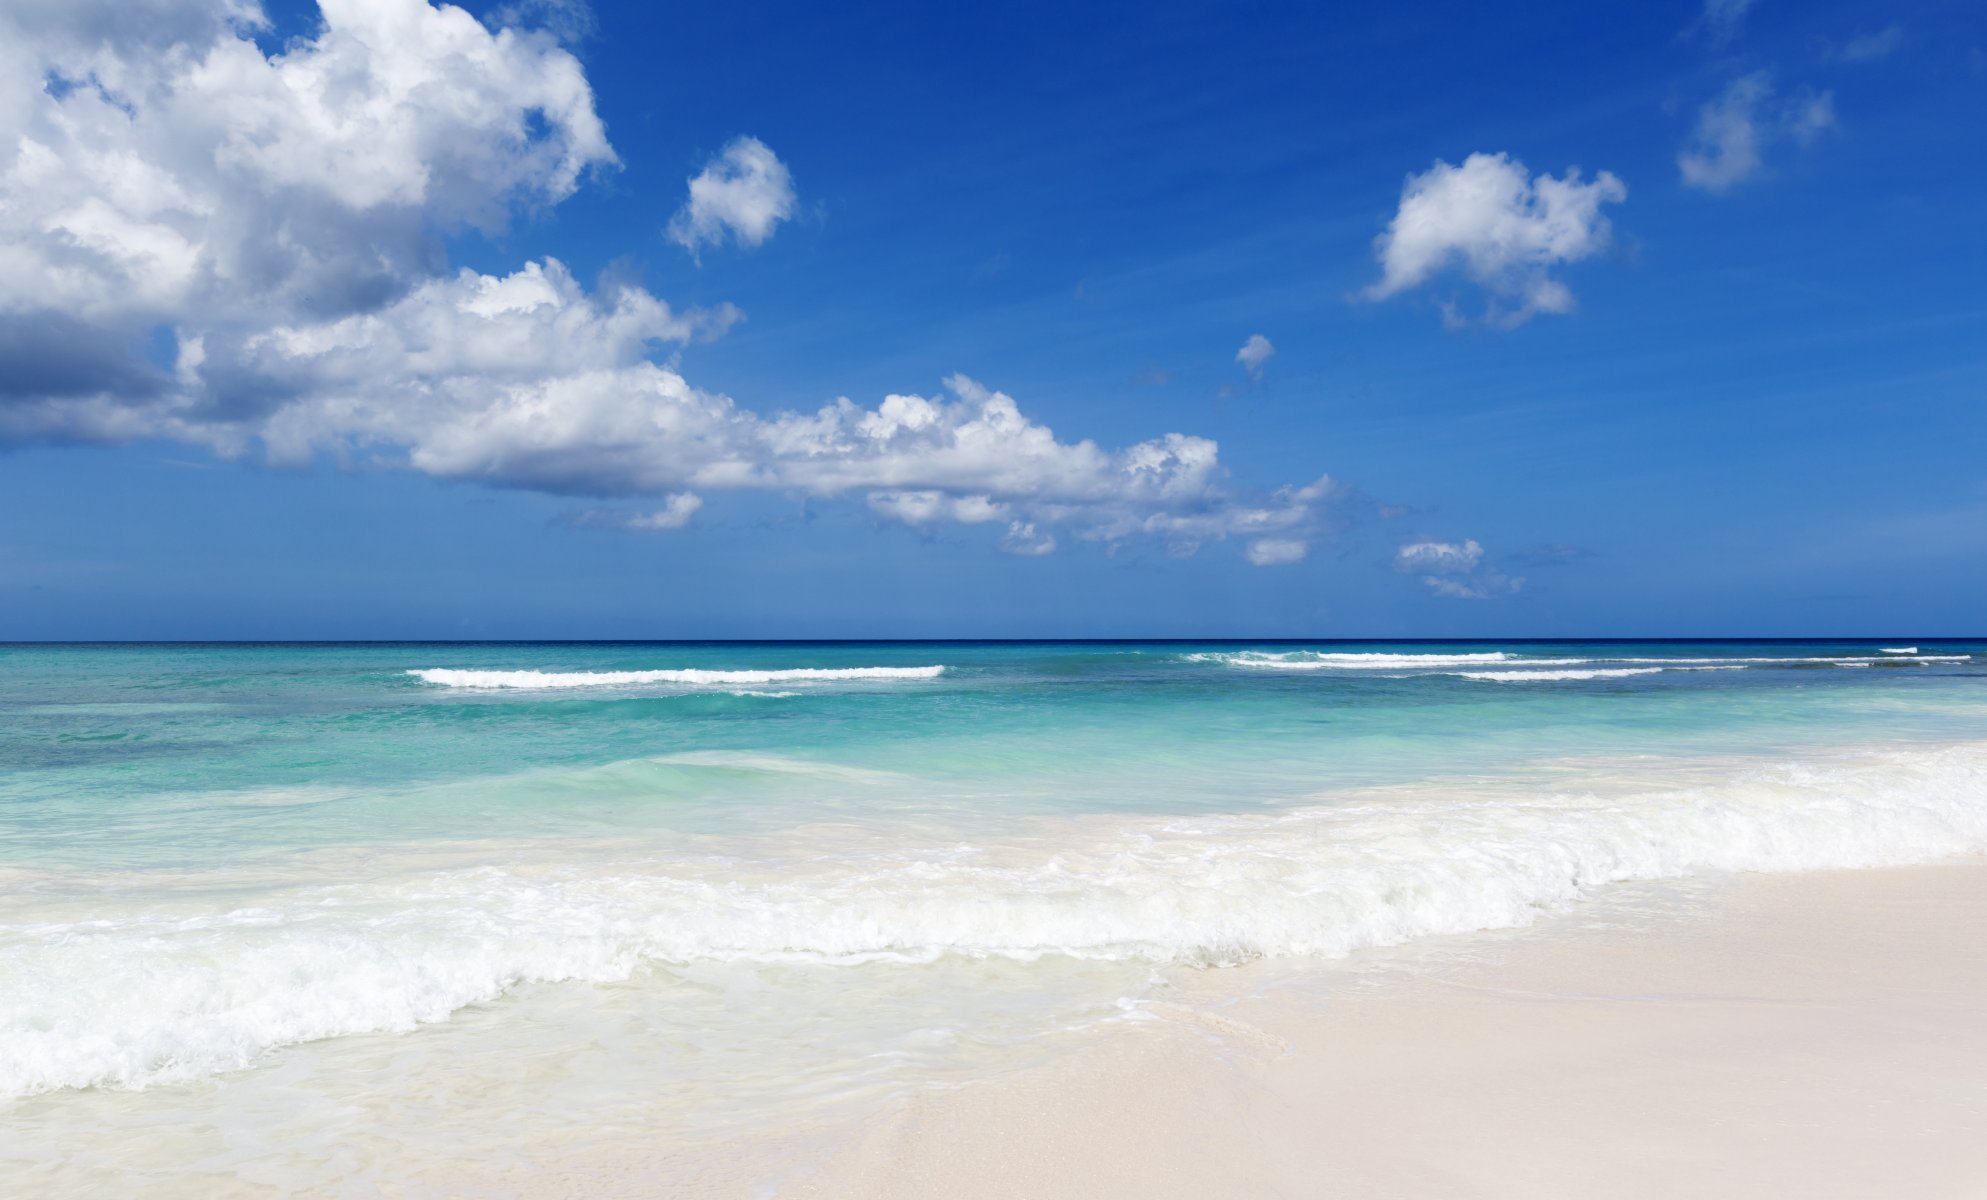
(535,319)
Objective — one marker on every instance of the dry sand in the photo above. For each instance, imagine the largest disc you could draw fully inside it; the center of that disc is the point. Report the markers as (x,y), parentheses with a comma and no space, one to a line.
(1819,1035)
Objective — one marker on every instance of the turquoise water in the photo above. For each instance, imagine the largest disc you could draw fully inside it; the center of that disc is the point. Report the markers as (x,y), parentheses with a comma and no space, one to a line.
(157,756)
(214,856)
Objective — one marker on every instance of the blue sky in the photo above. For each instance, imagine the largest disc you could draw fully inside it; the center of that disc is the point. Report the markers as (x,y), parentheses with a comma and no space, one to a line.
(378,322)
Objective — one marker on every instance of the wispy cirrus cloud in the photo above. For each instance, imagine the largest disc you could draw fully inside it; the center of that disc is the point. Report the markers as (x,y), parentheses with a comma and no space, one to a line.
(1735,129)
(1869,47)
(1721,20)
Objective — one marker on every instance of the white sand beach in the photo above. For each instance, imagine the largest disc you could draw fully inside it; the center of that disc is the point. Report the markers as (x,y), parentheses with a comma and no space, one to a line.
(1812,1035)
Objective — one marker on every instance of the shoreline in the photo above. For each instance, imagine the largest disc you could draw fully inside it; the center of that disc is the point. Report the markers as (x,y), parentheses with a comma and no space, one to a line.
(1813,1034)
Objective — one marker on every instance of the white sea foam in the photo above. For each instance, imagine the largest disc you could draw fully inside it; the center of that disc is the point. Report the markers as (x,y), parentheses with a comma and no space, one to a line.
(1804,661)
(146,991)
(1898,650)
(1444,664)
(688,676)
(1556,676)
(1308,660)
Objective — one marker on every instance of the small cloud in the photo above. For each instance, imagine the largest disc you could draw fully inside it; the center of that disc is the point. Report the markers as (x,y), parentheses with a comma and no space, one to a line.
(1254,354)
(1868,47)
(1022,539)
(746,191)
(1440,557)
(1504,229)
(1276,552)
(1153,377)
(993,267)
(1455,569)
(1734,130)
(922,508)
(1811,116)
(674,514)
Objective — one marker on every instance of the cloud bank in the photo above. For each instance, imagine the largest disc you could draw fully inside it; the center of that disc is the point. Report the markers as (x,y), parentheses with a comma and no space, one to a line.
(245,250)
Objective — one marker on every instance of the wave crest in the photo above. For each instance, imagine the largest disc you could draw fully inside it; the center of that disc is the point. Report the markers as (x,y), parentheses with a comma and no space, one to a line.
(1317,660)
(687,676)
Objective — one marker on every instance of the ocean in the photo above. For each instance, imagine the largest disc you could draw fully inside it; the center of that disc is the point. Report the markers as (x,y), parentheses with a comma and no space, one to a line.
(273,915)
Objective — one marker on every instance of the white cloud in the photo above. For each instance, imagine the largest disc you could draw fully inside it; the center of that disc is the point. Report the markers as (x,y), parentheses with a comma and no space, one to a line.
(1276,552)
(172,171)
(1254,353)
(529,381)
(1502,228)
(1439,557)
(674,514)
(1455,569)
(1023,539)
(282,215)
(159,170)
(931,507)
(1734,130)
(746,191)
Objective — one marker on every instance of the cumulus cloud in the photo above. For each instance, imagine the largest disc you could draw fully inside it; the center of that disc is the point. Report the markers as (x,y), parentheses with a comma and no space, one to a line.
(159,171)
(1734,130)
(276,221)
(745,191)
(1455,569)
(1254,354)
(528,380)
(163,168)
(1503,229)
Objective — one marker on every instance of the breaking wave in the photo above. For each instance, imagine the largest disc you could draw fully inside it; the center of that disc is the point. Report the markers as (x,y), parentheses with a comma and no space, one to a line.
(1599,666)
(688,676)
(164,989)
(1308,660)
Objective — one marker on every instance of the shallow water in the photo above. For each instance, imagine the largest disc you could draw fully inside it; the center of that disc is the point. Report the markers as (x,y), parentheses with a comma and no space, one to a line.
(265,904)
